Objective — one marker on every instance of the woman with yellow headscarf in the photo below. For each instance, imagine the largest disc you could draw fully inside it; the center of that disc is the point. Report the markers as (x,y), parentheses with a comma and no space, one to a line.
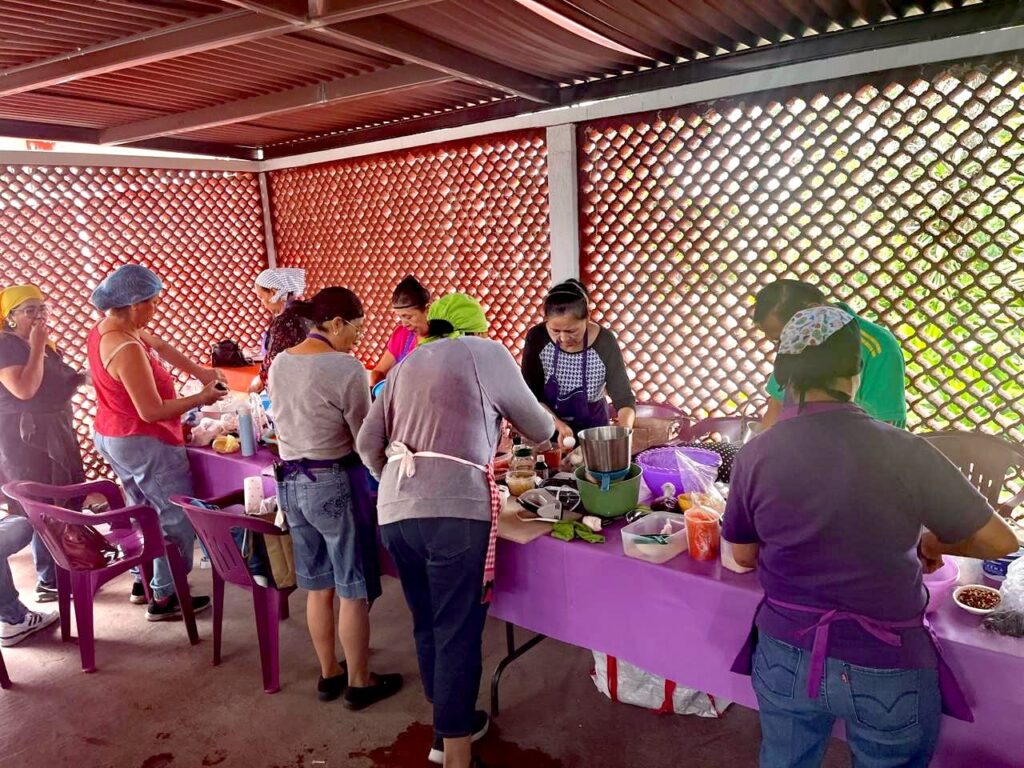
(37,437)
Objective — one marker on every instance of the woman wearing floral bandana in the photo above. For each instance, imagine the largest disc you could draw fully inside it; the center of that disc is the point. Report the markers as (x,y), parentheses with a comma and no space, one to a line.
(830,505)
(277,290)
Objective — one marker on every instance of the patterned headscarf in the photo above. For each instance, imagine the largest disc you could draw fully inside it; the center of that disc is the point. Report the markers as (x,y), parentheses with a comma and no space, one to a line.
(811,328)
(286,281)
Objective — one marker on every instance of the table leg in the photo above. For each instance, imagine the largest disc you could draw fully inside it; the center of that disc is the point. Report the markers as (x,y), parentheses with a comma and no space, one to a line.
(513,654)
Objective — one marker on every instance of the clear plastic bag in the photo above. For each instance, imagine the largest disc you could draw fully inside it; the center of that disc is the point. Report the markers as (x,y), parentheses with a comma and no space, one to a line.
(1008,618)
(701,477)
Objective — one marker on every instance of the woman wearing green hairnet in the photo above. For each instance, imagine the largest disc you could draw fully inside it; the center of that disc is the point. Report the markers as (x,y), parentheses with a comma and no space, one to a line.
(431,439)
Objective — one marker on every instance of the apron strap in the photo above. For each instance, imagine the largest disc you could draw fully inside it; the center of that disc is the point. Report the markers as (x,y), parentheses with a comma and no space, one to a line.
(401,454)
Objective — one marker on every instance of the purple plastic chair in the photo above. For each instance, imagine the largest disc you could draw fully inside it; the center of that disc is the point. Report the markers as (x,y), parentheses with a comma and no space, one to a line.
(136,530)
(214,526)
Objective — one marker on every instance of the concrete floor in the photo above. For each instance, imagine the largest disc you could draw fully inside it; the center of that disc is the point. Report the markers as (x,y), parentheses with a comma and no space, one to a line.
(156,702)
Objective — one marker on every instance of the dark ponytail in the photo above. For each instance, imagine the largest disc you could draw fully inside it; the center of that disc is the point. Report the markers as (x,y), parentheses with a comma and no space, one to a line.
(438,328)
(568,298)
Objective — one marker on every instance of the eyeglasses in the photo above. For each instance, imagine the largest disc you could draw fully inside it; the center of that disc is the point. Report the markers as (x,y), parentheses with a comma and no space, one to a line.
(359,327)
(35,310)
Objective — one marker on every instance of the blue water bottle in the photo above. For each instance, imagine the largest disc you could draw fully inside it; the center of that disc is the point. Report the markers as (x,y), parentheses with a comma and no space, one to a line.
(246,432)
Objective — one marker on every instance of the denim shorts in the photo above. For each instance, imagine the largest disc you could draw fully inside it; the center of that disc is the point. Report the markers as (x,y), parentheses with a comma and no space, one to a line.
(334,542)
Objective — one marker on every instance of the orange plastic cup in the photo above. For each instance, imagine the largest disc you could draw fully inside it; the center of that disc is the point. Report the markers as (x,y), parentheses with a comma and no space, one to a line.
(702,533)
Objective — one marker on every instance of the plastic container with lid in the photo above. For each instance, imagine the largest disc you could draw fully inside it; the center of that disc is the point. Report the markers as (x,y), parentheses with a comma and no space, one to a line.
(656,538)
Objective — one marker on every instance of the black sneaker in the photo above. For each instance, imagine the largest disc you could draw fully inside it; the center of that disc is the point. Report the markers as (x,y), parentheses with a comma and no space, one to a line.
(383,687)
(168,608)
(138,595)
(481,724)
(46,593)
(330,688)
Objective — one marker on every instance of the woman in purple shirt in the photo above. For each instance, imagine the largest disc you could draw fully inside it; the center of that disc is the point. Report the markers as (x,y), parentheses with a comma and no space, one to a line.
(842,514)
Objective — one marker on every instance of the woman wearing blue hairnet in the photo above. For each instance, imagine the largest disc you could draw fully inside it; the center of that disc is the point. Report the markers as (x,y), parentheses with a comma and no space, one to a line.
(138,416)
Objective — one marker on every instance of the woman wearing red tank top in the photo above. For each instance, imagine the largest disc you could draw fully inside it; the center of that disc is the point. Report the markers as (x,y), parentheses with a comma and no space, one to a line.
(138,416)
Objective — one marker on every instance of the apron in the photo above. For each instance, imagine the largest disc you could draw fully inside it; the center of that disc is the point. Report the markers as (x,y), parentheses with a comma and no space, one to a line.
(406,459)
(574,408)
(954,702)
(43,446)
(407,348)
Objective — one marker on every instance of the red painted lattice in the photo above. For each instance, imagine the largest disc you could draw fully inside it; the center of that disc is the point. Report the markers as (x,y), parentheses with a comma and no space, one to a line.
(202,232)
(903,196)
(471,216)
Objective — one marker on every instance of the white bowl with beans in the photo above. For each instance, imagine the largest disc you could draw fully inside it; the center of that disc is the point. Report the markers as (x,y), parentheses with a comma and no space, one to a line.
(977,599)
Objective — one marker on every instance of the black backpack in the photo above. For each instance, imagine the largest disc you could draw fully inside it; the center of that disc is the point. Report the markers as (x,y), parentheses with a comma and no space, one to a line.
(227,354)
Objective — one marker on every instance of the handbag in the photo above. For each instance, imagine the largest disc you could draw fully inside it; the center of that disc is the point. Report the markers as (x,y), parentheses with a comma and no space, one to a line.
(280,555)
(85,548)
(227,354)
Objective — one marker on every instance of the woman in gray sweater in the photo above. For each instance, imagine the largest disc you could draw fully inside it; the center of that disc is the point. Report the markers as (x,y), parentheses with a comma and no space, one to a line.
(321,394)
(431,438)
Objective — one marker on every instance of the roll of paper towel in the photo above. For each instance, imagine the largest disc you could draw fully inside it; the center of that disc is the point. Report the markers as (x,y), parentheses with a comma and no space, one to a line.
(253,488)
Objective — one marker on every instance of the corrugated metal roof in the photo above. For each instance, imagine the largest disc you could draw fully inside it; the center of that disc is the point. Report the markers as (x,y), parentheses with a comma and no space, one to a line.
(377,109)
(105,64)
(50,108)
(511,33)
(30,30)
(227,74)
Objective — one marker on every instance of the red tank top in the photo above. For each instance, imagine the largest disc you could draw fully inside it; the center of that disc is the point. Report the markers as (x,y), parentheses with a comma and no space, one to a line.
(116,415)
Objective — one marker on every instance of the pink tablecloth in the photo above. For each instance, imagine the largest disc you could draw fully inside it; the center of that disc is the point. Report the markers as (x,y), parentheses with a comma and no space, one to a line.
(685,620)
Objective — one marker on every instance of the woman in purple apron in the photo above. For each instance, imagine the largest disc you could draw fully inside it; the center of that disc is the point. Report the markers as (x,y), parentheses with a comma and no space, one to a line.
(842,514)
(574,365)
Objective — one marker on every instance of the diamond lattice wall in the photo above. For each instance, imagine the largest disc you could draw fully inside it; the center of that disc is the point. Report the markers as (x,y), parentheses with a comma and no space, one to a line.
(470,216)
(902,196)
(65,228)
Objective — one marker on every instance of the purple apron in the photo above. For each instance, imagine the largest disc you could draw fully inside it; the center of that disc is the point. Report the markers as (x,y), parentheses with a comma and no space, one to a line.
(407,348)
(574,408)
(954,703)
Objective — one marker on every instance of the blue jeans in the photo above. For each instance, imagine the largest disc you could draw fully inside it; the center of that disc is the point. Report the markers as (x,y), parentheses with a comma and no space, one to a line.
(441,564)
(891,715)
(151,472)
(334,536)
(46,569)
(15,534)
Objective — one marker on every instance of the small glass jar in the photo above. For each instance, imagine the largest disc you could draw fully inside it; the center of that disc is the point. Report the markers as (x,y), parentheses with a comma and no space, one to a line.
(521,481)
(523,459)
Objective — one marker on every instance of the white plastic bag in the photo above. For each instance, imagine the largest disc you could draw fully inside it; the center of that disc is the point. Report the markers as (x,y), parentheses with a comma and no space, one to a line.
(621,681)
(1008,618)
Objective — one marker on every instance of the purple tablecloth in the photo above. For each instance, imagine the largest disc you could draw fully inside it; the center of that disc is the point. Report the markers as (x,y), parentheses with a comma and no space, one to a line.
(216,474)
(686,620)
